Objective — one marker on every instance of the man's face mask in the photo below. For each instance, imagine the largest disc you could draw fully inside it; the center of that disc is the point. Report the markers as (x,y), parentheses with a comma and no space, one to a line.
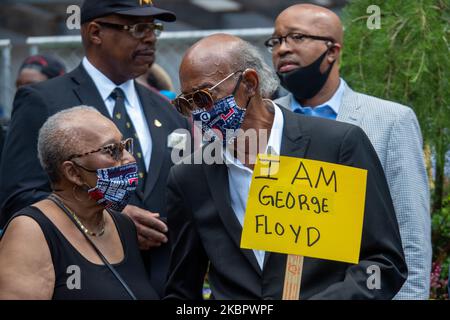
(223,119)
(114,186)
(225,116)
(306,82)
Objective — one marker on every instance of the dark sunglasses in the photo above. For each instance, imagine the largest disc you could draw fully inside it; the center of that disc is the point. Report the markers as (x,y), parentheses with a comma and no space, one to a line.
(115,150)
(201,98)
(138,30)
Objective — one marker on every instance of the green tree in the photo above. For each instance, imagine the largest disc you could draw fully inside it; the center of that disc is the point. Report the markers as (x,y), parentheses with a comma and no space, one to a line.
(407,59)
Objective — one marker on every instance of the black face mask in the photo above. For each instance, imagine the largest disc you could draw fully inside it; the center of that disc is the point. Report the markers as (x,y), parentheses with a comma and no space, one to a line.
(306,82)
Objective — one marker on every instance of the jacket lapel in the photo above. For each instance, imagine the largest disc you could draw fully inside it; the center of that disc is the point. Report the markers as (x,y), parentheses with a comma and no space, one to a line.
(285,101)
(86,90)
(350,109)
(88,94)
(293,144)
(159,138)
(217,177)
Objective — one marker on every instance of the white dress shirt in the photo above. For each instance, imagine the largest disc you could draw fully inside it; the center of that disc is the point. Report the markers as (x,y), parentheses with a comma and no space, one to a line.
(132,104)
(239,176)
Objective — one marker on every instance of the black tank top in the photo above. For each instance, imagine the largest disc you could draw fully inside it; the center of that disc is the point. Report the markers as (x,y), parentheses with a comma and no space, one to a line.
(95,281)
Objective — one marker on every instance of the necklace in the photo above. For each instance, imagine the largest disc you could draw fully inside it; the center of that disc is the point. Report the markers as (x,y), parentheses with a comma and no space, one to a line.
(86,230)
(82,227)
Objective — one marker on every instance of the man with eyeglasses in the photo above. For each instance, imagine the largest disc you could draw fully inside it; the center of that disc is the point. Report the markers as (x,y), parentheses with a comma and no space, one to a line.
(306,47)
(119,38)
(224,81)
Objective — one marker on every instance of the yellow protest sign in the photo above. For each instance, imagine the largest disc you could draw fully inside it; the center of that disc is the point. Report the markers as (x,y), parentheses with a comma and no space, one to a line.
(305,207)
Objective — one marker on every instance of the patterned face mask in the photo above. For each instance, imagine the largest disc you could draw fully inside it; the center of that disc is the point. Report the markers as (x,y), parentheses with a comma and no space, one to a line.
(114,186)
(225,117)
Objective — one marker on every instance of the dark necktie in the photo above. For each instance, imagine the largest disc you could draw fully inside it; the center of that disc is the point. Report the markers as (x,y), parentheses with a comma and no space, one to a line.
(123,122)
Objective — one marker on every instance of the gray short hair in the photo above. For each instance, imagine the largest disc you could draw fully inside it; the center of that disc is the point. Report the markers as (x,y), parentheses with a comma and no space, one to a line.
(58,140)
(249,56)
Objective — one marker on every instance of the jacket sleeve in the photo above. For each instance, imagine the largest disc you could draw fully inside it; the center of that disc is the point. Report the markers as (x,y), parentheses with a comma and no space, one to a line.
(23,181)
(188,260)
(408,183)
(381,247)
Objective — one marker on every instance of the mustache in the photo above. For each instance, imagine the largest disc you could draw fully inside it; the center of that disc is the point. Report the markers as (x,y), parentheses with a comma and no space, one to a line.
(144,52)
(288,61)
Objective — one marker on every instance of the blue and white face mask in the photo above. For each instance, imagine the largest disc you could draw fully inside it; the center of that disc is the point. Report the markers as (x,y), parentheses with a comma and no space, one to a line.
(114,186)
(225,117)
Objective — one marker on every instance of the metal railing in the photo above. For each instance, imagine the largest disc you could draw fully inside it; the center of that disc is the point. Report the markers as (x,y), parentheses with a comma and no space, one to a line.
(170,49)
(170,46)
(6,82)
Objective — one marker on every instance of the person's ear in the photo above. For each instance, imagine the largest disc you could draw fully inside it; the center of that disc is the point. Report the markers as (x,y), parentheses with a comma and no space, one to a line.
(334,52)
(72,173)
(93,33)
(250,80)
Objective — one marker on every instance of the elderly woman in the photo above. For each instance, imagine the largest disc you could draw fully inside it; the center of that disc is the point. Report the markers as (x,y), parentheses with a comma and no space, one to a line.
(75,244)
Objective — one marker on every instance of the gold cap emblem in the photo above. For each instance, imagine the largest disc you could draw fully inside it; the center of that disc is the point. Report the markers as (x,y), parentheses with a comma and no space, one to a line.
(145,2)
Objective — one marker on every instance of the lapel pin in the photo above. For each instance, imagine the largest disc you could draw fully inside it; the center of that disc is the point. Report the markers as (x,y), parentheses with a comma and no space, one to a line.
(157,123)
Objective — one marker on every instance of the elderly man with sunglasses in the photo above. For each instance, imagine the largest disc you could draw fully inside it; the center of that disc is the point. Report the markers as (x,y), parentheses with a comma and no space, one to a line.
(119,38)
(224,81)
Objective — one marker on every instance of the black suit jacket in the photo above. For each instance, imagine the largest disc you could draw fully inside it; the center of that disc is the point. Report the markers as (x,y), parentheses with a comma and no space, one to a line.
(24,182)
(205,231)
(2,138)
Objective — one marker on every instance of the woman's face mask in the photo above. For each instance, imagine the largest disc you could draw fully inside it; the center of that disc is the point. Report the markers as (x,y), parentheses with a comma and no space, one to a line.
(114,186)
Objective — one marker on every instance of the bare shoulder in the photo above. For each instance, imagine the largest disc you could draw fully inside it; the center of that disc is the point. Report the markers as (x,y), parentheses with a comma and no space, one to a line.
(26,267)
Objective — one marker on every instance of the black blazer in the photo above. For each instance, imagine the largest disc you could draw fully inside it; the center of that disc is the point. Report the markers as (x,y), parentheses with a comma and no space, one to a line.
(23,181)
(205,231)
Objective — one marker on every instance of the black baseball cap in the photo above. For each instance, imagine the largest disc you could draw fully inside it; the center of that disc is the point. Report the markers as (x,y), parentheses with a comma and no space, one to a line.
(93,9)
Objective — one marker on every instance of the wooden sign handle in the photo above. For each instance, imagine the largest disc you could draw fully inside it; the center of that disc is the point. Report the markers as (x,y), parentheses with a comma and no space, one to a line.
(293,277)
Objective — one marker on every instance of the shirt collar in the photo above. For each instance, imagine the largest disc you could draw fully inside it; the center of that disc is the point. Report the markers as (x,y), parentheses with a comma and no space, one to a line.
(276,134)
(334,102)
(273,144)
(105,86)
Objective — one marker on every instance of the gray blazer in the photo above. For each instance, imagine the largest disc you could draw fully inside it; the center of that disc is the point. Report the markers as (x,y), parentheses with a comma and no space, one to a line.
(395,134)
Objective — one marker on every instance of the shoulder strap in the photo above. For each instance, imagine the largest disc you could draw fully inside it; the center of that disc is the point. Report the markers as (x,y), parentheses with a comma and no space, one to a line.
(59,203)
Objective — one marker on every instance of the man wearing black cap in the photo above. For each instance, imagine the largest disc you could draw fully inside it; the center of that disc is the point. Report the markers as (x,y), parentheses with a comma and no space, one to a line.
(119,38)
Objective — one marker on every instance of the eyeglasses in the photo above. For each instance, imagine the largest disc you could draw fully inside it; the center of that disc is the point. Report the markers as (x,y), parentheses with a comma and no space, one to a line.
(201,98)
(138,30)
(115,150)
(292,38)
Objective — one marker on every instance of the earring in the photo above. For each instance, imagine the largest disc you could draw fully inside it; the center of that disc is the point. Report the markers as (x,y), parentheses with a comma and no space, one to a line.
(75,195)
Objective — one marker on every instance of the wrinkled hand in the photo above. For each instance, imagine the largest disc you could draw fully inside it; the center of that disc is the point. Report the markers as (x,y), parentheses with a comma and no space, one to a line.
(150,228)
